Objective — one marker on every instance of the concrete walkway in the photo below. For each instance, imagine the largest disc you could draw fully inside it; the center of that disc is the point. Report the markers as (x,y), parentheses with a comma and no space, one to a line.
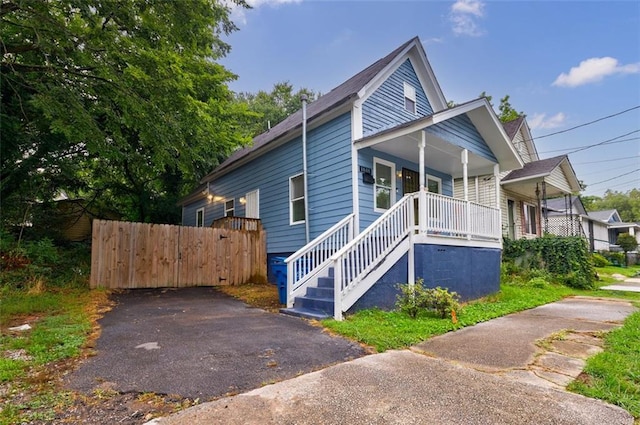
(485,374)
(631,284)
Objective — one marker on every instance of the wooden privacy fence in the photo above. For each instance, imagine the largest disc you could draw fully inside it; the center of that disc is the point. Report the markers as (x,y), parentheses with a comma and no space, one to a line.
(141,255)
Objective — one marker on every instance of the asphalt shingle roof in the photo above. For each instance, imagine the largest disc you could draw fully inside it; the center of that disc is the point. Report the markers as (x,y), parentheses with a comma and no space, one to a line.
(339,95)
(603,215)
(511,127)
(535,168)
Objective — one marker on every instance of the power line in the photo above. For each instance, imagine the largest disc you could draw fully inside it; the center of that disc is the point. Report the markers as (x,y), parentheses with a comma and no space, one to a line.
(613,178)
(620,168)
(587,123)
(606,142)
(607,160)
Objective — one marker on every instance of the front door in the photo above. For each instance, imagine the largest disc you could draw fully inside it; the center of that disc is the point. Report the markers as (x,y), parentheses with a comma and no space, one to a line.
(411,184)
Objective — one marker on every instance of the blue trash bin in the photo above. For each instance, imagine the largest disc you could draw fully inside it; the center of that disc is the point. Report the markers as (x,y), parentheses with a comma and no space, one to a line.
(279,270)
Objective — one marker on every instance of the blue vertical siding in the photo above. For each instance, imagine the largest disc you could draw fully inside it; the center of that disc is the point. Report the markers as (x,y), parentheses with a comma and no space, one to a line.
(460,131)
(365,191)
(329,185)
(385,107)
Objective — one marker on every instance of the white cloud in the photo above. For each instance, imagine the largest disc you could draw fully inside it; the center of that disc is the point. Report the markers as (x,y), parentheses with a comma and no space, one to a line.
(238,14)
(464,16)
(593,70)
(540,121)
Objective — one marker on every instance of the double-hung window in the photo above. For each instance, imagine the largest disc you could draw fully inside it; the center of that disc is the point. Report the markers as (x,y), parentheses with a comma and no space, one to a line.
(296,199)
(384,173)
(229,208)
(530,219)
(410,98)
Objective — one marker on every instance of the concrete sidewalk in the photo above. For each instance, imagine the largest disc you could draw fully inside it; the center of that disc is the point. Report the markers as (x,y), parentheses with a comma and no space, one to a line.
(478,375)
(630,284)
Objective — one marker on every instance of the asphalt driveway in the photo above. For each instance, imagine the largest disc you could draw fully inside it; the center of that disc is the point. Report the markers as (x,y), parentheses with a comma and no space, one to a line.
(200,343)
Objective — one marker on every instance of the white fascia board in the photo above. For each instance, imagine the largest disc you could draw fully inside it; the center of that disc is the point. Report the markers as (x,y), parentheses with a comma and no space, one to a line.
(433,90)
(522,179)
(382,76)
(480,112)
(416,55)
(528,139)
(570,174)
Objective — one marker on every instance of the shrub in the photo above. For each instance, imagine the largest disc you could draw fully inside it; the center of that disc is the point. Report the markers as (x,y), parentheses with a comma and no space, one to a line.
(443,301)
(415,298)
(615,258)
(599,261)
(566,258)
(412,298)
(538,282)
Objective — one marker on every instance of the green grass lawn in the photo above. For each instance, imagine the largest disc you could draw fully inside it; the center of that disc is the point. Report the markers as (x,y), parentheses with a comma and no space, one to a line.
(614,375)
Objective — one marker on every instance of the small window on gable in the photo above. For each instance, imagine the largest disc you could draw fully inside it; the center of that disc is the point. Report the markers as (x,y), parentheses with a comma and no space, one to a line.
(200,217)
(229,208)
(409,98)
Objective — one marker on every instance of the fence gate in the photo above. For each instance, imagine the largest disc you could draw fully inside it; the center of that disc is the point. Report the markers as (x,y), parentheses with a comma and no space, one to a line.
(141,255)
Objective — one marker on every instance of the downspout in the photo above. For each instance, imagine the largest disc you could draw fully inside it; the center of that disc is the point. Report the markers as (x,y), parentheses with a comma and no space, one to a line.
(303,98)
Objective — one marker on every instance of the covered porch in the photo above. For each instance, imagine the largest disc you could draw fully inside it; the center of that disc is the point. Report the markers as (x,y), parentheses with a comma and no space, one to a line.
(432,152)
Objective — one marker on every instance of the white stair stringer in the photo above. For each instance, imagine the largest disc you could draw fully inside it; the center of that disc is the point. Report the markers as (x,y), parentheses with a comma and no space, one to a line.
(355,292)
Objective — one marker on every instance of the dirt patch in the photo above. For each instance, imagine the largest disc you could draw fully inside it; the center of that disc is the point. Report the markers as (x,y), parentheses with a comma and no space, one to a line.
(261,295)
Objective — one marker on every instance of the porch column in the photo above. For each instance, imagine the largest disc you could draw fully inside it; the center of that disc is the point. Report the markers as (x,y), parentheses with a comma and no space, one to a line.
(464,158)
(496,179)
(422,196)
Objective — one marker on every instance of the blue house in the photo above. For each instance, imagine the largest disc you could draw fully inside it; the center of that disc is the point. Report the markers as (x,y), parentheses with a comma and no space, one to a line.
(356,190)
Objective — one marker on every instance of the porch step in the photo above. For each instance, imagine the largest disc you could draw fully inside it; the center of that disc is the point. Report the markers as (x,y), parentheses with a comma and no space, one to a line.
(325,282)
(304,313)
(320,292)
(314,303)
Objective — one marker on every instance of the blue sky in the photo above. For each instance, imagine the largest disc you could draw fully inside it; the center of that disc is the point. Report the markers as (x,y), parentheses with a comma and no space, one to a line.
(563,63)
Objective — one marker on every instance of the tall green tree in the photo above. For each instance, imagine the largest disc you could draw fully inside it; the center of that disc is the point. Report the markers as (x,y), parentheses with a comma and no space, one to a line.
(506,111)
(626,203)
(120,102)
(274,106)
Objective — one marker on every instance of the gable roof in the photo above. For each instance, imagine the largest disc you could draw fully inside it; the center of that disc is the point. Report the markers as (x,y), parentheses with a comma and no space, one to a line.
(604,215)
(512,127)
(560,205)
(539,168)
(340,95)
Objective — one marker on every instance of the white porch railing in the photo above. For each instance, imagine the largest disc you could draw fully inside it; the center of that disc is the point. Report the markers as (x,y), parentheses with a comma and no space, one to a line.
(311,259)
(365,252)
(457,218)
(358,260)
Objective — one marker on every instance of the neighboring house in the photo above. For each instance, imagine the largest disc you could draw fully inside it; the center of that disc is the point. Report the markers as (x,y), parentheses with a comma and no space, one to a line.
(360,195)
(524,192)
(615,226)
(568,217)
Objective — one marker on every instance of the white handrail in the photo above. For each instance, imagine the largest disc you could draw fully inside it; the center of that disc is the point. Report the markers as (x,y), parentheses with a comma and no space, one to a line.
(356,259)
(303,264)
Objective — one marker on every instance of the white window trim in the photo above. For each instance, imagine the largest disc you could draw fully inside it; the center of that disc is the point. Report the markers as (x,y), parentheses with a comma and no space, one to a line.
(392,196)
(291,222)
(198,211)
(409,93)
(224,206)
(437,179)
(527,219)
